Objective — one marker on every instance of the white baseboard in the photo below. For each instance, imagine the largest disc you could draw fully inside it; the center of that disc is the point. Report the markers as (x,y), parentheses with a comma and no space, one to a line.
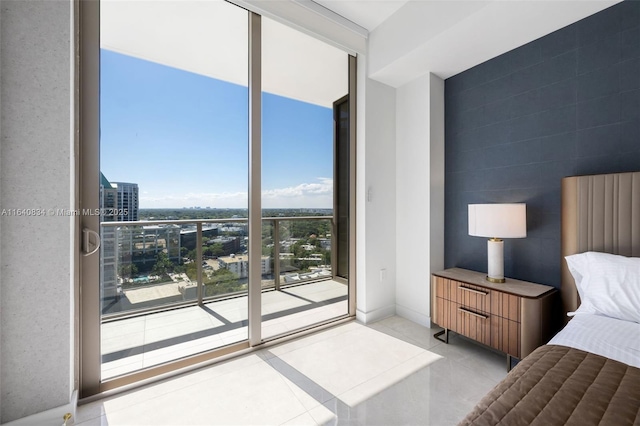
(414,316)
(53,417)
(375,315)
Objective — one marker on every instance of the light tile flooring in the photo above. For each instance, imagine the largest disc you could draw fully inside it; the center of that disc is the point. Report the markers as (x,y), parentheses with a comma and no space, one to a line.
(392,372)
(134,343)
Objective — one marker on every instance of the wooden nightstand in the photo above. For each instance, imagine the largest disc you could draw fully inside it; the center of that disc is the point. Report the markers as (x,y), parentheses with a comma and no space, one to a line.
(514,317)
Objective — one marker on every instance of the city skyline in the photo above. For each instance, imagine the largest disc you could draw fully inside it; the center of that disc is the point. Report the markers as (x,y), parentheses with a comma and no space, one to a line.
(183,138)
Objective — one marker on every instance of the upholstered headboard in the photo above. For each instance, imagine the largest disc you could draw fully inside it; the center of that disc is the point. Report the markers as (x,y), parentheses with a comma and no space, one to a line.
(599,213)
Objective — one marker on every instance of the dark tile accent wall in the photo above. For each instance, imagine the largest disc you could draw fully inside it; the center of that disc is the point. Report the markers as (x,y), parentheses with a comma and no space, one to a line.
(563,105)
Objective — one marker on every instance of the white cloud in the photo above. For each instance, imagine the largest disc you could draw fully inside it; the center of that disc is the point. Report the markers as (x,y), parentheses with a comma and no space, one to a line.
(305,195)
(324,187)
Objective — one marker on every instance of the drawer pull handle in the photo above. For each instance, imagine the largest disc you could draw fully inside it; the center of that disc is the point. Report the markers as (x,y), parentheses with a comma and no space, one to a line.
(483,293)
(466,311)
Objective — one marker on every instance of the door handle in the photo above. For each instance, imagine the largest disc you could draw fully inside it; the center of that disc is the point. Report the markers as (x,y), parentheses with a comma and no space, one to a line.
(89,246)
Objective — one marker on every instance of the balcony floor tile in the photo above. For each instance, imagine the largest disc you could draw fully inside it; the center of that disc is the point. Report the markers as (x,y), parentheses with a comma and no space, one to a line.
(130,344)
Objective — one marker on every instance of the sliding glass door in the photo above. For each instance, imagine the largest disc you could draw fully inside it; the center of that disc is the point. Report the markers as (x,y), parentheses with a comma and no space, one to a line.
(174,173)
(302,77)
(208,153)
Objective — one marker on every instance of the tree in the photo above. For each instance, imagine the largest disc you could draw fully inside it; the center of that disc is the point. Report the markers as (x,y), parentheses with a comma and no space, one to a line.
(222,281)
(128,270)
(191,269)
(163,264)
(216,249)
(192,254)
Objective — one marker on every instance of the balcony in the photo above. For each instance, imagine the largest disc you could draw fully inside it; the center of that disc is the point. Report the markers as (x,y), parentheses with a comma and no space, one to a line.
(172,289)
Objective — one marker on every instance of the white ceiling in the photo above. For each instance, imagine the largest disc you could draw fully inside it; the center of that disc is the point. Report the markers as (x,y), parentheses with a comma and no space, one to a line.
(406,38)
(448,37)
(366,13)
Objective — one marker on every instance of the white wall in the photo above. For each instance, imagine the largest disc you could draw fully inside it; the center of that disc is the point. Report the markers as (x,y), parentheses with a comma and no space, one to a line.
(376,198)
(419,147)
(419,194)
(35,173)
(412,200)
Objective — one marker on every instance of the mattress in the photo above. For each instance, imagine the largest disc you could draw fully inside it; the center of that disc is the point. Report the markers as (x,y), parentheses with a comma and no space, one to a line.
(609,337)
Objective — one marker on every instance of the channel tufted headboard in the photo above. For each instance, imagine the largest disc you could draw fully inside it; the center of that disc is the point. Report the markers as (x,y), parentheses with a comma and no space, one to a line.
(599,213)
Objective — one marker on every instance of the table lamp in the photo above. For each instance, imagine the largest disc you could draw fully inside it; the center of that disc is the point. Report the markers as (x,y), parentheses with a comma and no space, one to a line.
(497,221)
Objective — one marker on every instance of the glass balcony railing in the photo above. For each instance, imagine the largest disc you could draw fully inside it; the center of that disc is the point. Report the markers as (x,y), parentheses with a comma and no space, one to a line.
(156,265)
(176,288)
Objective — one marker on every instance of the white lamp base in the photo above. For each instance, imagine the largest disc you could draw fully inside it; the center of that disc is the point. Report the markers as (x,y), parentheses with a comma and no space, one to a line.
(495,260)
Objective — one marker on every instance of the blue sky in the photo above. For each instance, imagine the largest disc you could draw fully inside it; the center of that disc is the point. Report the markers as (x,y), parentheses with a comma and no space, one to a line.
(182,137)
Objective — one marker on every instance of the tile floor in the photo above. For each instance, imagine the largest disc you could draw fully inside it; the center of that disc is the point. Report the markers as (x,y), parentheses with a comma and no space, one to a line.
(392,372)
(131,344)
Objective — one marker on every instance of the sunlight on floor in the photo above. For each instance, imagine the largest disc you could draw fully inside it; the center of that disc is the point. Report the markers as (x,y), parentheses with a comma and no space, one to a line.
(389,372)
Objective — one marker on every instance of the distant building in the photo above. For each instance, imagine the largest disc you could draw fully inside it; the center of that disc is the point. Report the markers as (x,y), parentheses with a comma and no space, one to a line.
(108,258)
(229,244)
(189,234)
(240,228)
(118,203)
(108,200)
(141,244)
(325,243)
(239,264)
(127,201)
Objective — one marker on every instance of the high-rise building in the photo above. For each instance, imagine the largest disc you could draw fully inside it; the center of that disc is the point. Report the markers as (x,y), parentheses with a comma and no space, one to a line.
(108,200)
(118,203)
(127,201)
(108,258)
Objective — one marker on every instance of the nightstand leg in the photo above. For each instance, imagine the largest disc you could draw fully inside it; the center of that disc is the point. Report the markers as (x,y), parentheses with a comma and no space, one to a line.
(508,363)
(440,333)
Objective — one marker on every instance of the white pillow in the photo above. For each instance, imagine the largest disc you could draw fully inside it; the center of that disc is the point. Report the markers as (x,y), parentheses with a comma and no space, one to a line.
(608,284)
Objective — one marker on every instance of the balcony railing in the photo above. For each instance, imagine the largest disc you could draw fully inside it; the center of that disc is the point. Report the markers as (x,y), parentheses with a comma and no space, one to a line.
(129,244)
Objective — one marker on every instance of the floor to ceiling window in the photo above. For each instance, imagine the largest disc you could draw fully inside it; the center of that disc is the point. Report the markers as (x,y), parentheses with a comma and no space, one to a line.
(201,120)
(174,139)
(302,77)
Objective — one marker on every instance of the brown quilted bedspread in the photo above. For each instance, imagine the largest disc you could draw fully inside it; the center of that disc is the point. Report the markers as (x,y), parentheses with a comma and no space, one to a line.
(557,385)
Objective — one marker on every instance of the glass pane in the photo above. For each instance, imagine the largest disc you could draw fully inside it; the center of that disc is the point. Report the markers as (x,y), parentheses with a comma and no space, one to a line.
(302,78)
(174,148)
(341,117)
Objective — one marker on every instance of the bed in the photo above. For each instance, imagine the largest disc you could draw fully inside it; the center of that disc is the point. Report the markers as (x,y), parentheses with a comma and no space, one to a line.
(589,373)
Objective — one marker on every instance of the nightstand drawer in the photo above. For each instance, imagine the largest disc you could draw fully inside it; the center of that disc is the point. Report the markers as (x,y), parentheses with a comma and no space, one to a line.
(479,299)
(472,324)
(473,297)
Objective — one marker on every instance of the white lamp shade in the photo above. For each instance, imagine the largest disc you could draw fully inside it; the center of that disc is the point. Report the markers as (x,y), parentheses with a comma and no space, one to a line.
(498,220)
